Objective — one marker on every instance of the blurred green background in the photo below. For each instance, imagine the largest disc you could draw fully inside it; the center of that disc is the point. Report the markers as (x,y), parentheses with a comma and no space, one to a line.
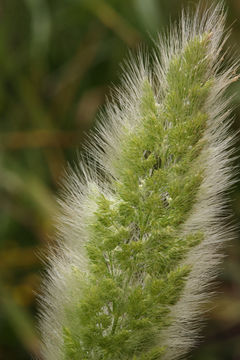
(57,60)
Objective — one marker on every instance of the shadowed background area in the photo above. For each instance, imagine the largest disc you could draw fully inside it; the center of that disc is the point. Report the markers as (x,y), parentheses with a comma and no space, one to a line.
(57,60)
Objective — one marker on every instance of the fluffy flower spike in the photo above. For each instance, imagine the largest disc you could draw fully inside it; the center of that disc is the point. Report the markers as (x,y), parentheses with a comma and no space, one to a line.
(140,232)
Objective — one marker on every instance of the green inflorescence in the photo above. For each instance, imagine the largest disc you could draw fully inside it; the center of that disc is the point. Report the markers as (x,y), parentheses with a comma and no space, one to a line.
(136,246)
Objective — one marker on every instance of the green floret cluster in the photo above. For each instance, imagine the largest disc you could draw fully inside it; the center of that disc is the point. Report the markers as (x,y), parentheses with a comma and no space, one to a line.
(136,244)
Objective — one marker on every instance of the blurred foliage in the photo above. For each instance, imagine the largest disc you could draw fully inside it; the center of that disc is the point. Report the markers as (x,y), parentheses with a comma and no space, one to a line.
(57,59)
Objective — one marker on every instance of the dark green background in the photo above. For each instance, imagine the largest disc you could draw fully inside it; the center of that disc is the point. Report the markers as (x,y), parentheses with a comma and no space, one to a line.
(57,60)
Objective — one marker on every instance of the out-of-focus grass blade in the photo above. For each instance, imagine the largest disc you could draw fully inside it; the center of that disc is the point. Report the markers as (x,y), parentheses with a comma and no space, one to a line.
(150,14)
(113,20)
(40,24)
(20,321)
(32,188)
